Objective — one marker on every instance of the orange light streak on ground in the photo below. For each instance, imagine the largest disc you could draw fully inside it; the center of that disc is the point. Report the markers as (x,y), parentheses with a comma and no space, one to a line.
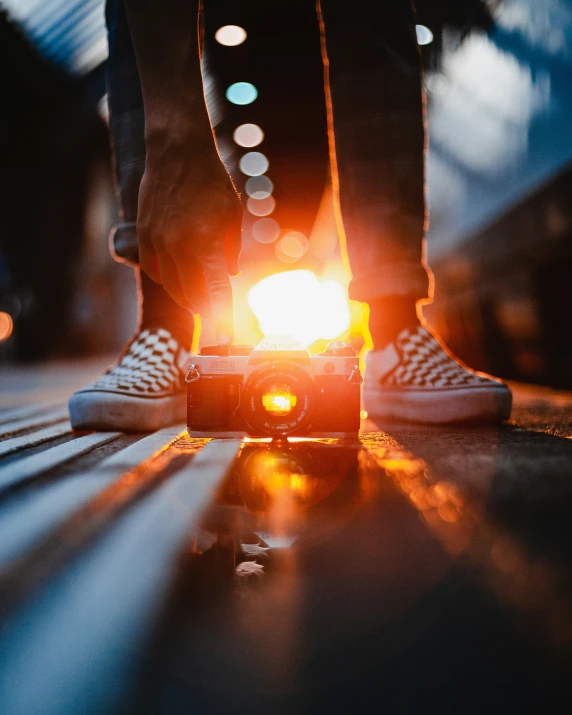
(532,584)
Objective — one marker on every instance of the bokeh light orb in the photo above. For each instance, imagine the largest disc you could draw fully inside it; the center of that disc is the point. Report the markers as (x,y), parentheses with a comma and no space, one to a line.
(248,135)
(266,230)
(6,326)
(291,247)
(261,207)
(259,187)
(254,163)
(230,35)
(424,35)
(241,93)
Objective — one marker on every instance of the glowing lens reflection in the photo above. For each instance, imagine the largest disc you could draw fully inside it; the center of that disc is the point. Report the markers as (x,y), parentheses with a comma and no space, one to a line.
(279,400)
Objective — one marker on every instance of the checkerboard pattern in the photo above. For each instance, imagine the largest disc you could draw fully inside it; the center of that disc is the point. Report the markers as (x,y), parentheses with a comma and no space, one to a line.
(152,366)
(425,363)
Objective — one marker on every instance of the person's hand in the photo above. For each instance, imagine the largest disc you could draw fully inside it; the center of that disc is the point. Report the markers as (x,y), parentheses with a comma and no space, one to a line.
(190,217)
(189,229)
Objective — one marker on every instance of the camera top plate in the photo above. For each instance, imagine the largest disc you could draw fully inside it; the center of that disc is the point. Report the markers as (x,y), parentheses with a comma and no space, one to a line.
(227,350)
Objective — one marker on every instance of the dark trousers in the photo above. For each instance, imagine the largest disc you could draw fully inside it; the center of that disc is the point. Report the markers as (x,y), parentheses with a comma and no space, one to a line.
(127,124)
(375,104)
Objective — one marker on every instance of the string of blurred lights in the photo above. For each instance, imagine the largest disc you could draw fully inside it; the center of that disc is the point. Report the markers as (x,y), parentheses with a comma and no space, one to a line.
(291,246)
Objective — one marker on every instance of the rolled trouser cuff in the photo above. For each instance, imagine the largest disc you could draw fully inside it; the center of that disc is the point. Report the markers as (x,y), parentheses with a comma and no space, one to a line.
(123,243)
(393,279)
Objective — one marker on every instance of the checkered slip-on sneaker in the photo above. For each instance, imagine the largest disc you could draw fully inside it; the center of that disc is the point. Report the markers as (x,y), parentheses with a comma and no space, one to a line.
(416,379)
(144,392)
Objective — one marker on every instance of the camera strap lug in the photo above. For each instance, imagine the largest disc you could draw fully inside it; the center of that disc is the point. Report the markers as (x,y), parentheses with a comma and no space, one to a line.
(193,374)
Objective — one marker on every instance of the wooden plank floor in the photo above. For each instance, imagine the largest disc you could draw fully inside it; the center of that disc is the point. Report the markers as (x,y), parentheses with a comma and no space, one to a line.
(415,570)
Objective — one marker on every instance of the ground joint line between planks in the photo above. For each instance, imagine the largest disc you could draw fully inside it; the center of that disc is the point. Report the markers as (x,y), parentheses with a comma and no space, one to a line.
(36,464)
(19,425)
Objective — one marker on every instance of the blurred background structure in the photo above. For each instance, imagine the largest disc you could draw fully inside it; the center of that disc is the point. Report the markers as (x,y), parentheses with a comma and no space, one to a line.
(499,172)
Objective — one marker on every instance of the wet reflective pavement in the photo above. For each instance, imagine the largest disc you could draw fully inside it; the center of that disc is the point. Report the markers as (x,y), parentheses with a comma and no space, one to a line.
(417,570)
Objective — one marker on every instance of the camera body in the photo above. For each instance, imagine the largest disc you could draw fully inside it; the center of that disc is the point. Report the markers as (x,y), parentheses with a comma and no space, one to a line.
(276,389)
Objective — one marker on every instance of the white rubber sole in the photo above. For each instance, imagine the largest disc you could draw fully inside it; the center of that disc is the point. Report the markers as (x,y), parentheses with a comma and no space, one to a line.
(100,410)
(487,404)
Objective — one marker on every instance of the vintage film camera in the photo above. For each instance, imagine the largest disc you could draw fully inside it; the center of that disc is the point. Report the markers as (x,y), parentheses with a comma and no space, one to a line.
(276,389)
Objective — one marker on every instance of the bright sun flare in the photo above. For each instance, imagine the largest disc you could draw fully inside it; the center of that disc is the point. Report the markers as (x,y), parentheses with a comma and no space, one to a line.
(296,303)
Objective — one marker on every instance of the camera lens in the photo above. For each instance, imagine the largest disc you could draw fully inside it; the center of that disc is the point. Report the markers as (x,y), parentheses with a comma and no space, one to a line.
(277,400)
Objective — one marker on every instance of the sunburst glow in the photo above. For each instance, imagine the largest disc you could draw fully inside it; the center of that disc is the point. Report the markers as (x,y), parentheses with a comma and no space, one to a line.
(296,303)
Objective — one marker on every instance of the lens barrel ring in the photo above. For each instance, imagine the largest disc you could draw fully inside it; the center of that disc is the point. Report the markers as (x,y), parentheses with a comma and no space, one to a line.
(255,414)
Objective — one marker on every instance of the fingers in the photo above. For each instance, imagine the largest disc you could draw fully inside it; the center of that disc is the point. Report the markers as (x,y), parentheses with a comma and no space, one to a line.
(191,280)
(171,281)
(196,290)
(208,333)
(149,262)
(220,298)
(206,288)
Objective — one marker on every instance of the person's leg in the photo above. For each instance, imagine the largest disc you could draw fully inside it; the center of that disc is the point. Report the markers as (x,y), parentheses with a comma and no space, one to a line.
(376,107)
(127,124)
(146,389)
(377,142)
